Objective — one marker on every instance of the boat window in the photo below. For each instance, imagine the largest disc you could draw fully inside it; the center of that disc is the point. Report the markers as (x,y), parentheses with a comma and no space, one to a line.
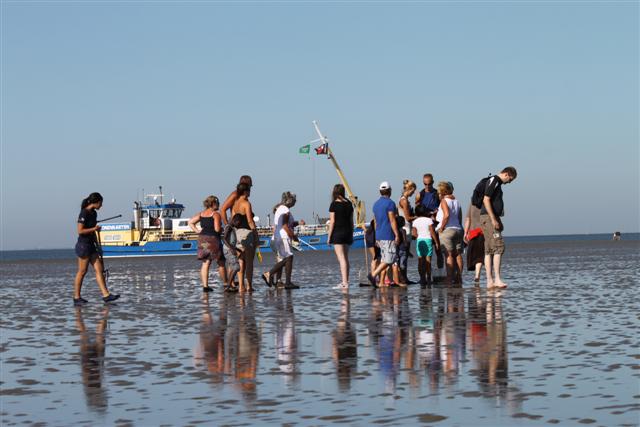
(183,224)
(186,246)
(145,214)
(264,243)
(314,240)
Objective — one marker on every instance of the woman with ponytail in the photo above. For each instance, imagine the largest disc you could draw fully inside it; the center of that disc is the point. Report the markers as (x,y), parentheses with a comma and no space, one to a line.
(87,249)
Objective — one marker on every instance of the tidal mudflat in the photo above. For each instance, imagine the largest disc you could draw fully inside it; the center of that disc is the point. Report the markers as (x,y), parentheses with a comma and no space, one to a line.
(560,346)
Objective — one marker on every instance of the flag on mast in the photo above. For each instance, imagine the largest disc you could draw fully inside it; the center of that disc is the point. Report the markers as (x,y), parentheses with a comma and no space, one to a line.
(323,149)
(305,149)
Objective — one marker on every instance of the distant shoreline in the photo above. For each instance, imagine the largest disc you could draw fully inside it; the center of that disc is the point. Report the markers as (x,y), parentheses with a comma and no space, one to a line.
(626,236)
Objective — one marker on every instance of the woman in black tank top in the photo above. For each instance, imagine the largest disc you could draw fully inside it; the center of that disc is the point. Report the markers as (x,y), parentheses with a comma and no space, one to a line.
(209,246)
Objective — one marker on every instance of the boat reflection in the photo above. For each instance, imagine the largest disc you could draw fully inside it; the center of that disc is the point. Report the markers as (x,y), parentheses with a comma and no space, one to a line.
(92,353)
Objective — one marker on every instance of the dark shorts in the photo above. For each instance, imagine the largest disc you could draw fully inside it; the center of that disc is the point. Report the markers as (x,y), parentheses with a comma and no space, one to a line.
(85,248)
(341,237)
(209,249)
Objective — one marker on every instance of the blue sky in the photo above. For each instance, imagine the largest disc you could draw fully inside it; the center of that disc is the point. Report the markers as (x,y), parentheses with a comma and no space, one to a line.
(116,97)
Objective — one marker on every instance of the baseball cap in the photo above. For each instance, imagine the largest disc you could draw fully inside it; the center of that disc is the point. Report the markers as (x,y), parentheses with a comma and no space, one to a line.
(384,185)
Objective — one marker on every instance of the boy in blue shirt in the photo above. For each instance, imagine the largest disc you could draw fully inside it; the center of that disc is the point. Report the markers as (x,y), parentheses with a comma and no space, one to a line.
(387,235)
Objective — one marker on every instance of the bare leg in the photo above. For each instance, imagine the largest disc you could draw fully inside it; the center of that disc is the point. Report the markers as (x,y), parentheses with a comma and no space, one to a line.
(248,259)
(342,253)
(83,266)
(497,258)
(374,263)
(460,266)
(223,274)
(478,271)
(241,272)
(428,268)
(422,270)
(98,267)
(487,269)
(288,267)
(204,273)
(450,267)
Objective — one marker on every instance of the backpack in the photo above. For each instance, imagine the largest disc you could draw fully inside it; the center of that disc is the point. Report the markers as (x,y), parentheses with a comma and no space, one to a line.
(478,193)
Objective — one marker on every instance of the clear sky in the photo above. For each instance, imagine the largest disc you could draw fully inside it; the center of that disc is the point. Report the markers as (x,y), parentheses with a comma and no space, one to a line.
(119,96)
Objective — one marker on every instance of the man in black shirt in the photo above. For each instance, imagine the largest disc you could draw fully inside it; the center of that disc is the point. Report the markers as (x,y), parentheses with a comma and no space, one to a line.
(490,213)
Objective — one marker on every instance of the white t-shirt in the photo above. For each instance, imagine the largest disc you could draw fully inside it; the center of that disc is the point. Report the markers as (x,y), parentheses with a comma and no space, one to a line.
(279,233)
(421,224)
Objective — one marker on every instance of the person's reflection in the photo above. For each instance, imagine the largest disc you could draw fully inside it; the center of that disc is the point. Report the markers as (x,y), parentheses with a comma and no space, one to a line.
(211,351)
(92,353)
(286,337)
(453,334)
(246,346)
(428,339)
(488,343)
(345,349)
(389,328)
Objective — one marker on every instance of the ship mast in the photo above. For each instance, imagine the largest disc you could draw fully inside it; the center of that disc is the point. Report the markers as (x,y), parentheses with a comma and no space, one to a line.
(358,205)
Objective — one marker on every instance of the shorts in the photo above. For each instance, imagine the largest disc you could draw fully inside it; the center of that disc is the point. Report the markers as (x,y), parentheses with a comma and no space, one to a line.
(209,249)
(282,248)
(451,239)
(403,256)
(388,251)
(231,259)
(424,247)
(85,248)
(493,241)
(245,238)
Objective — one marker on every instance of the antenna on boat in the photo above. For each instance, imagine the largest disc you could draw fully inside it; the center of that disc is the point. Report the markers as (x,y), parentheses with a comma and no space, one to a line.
(160,188)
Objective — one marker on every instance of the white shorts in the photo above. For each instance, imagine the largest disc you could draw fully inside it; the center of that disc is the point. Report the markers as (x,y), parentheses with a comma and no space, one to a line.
(282,248)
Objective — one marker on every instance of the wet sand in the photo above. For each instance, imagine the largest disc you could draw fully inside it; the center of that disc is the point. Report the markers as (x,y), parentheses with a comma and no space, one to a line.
(560,346)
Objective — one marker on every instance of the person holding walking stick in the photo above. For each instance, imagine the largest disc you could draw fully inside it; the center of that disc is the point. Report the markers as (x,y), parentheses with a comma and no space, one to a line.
(89,251)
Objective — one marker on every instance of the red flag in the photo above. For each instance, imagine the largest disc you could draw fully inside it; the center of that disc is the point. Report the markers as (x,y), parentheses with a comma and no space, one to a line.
(323,149)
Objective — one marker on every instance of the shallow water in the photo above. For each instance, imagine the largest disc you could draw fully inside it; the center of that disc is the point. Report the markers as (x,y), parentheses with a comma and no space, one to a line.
(559,346)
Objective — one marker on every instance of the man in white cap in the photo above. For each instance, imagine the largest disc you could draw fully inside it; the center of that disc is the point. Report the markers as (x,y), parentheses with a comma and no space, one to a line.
(387,235)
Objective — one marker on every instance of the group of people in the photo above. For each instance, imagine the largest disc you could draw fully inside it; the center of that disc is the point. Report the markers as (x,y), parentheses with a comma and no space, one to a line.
(228,235)
(437,226)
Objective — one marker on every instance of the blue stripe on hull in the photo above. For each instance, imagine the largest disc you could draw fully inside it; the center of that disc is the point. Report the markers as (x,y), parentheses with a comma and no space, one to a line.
(190,247)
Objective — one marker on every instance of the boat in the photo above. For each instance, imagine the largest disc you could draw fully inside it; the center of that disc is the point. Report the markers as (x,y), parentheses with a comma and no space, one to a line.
(159,229)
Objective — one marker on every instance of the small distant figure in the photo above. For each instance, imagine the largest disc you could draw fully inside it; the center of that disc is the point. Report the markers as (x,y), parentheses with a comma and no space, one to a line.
(426,243)
(406,211)
(281,241)
(617,235)
(450,231)
(209,245)
(370,244)
(487,196)
(88,249)
(474,239)
(341,231)
(387,233)
(231,252)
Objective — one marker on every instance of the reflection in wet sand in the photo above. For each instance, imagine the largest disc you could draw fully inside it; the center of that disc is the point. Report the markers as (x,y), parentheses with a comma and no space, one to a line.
(345,348)
(229,344)
(286,337)
(92,355)
(539,351)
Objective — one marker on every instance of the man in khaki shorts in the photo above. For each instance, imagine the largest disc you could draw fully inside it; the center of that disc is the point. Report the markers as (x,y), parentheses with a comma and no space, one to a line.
(490,213)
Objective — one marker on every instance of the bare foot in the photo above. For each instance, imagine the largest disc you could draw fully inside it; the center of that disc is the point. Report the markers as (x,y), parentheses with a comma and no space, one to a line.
(490,285)
(499,284)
